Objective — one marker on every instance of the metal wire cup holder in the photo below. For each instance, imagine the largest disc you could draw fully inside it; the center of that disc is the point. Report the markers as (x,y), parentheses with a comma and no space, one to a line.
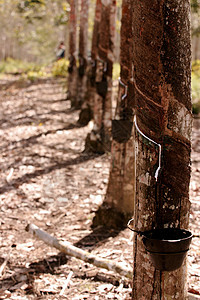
(167,247)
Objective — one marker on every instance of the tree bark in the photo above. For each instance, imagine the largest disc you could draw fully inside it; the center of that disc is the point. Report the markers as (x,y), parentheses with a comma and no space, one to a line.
(120,192)
(161,77)
(72,79)
(86,113)
(99,139)
(83,54)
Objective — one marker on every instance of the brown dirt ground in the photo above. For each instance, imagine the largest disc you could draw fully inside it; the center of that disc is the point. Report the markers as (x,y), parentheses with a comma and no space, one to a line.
(47,179)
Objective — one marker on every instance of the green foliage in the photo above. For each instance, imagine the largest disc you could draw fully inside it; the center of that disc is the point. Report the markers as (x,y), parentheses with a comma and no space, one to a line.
(61,19)
(34,75)
(116,71)
(196,108)
(32,29)
(196,80)
(14,66)
(60,68)
(196,67)
(30,71)
(196,86)
(25,5)
(195,17)
(195,5)
(34,71)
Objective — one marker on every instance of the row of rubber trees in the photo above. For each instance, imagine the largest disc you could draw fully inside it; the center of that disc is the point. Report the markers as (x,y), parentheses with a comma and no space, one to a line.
(154,89)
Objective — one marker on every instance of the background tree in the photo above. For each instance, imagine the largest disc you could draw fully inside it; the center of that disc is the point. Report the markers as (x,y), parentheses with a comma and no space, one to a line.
(83,54)
(99,139)
(119,201)
(195,28)
(72,78)
(34,29)
(86,113)
(161,60)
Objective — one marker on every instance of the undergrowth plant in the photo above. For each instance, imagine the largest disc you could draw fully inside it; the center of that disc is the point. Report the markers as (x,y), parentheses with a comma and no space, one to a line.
(196,87)
(116,71)
(60,68)
(15,66)
(32,71)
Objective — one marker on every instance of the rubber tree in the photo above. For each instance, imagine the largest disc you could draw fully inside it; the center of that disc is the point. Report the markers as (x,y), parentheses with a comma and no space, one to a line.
(83,54)
(195,28)
(72,70)
(86,113)
(118,205)
(99,140)
(161,77)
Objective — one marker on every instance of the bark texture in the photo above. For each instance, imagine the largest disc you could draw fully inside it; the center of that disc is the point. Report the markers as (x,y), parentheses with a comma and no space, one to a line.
(72,80)
(86,113)
(120,191)
(83,54)
(161,77)
(99,139)
(121,185)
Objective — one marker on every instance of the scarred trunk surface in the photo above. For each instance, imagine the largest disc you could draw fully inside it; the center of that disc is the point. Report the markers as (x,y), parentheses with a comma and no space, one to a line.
(83,54)
(99,139)
(72,80)
(86,113)
(120,192)
(161,76)
(95,35)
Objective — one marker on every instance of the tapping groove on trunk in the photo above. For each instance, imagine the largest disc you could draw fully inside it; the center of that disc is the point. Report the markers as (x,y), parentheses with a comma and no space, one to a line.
(91,88)
(161,77)
(103,79)
(120,191)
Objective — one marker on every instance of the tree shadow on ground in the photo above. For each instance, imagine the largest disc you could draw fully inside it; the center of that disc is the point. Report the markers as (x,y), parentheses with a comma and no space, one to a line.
(8,121)
(33,139)
(17,83)
(52,264)
(97,237)
(49,265)
(14,184)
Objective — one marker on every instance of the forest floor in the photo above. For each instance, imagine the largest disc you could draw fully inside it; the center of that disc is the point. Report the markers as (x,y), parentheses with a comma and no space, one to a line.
(47,179)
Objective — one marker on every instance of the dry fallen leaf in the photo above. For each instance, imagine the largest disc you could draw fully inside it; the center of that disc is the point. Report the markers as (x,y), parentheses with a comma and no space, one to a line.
(4,294)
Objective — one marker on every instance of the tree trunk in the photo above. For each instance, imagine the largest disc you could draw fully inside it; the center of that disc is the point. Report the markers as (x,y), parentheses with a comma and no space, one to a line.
(83,54)
(196,41)
(161,76)
(86,113)
(119,200)
(72,80)
(99,139)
